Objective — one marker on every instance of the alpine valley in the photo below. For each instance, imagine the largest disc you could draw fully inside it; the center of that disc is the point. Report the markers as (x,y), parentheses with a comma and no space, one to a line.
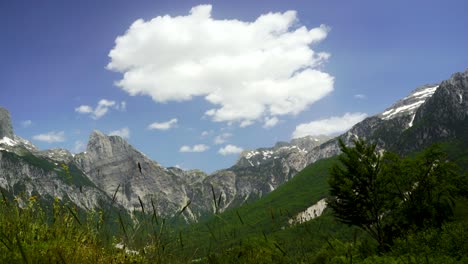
(111,170)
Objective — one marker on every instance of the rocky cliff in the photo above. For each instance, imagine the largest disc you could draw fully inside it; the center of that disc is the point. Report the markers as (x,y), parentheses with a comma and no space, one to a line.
(112,166)
(6,129)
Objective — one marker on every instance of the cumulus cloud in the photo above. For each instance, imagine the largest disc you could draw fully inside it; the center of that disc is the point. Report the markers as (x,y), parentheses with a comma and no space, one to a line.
(220,139)
(123,133)
(230,149)
(101,109)
(26,123)
(163,125)
(328,126)
(270,122)
(195,148)
(51,137)
(246,70)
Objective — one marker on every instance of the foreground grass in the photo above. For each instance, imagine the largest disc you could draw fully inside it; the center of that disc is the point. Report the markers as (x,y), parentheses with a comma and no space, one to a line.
(30,234)
(33,231)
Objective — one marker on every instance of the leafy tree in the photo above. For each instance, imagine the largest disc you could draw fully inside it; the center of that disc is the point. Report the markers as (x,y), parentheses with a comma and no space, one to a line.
(386,195)
(432,184)
(361,194)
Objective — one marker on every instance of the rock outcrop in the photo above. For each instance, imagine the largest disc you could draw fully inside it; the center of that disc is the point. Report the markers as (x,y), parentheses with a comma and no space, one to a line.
(6,129)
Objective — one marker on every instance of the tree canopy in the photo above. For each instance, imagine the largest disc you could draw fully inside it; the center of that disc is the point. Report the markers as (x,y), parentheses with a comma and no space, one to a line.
(387,195)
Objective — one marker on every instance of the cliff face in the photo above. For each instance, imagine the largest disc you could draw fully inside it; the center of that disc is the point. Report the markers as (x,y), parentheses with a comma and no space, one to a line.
(111,166)
(116,167)
(385,129)
(26,176)
(111,163)
(6,129)
(444,116)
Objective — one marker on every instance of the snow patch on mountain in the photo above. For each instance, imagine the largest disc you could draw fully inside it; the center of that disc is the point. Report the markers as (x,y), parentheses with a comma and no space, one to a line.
(409,104)
(8,141)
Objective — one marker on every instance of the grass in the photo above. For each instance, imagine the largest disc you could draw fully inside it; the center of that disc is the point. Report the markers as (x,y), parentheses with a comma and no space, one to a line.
(53,231)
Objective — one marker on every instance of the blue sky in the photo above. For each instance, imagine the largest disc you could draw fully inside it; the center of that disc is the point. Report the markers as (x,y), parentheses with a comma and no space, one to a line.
(57,68)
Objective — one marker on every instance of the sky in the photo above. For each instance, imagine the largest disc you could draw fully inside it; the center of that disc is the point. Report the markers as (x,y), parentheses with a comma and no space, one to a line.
(193,83)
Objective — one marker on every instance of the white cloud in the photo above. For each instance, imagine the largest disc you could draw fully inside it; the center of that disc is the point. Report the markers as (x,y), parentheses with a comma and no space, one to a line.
(101,109)
(360,96)
(220,139)
(123,133)
(230,149)
(270,122)
(26,123)
(122,106)
(163,125)
(84,109)
(206,133)
(246,70)
(195,148)
(51,137)
(328,126)
(79,146)
(246,123)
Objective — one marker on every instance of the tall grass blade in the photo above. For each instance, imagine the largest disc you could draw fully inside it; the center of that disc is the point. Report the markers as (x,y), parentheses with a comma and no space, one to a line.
(20,247)
(142,206)
(74,215)
(155,215)
(280,249)
(214,199)
(240,218)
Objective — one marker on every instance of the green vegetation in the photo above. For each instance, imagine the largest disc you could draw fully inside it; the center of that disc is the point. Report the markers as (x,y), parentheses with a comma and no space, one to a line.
(387,196)
(33,231)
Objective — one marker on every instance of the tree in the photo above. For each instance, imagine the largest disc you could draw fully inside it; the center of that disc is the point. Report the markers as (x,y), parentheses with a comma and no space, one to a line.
(386,195)
(361,194)
(432,184)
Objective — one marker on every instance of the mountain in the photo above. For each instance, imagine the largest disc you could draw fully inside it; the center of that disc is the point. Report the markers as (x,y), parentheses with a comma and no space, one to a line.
(25,172)
(256,173)
(6,129)
(385,129)
(111,166)
(444,116)
(430,114)
(114,165)
(111,163)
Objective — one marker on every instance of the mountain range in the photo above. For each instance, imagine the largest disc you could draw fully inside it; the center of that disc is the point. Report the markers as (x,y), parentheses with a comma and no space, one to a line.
(111,171)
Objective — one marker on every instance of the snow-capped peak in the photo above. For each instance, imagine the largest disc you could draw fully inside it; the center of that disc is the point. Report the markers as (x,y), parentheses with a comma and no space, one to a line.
(409,104)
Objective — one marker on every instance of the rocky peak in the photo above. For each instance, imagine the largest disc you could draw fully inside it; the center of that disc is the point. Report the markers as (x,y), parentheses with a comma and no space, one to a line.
(459,79)
(441,117)
(56,154)
(410,104)
(102,146)
(6,129)
(309,142)
(449,102)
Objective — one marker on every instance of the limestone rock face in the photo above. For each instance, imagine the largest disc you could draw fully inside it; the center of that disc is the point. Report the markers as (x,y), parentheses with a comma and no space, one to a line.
(111,165)
(385,129)
(6,129)
(256,173)
(20,178)
(116,167)
(443,116)
(57,155)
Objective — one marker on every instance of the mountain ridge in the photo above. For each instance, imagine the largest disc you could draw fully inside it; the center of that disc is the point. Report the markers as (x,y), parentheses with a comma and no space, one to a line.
(116,167)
